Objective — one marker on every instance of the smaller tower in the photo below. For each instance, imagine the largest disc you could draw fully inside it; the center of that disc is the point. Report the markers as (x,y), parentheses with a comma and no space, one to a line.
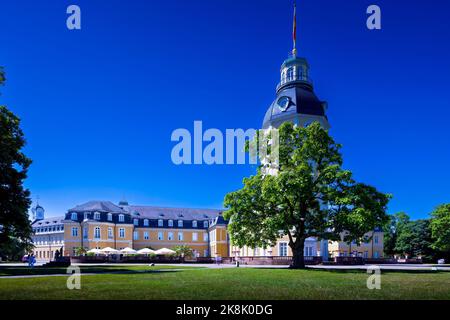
(38,211)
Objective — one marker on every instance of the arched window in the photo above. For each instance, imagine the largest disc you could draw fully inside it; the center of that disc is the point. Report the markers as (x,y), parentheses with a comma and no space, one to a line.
(135,222)
(109,216)
(121,218)
(194,224)
(146,222)
(180,223)
(74,216)
(97,215)
(97,233)
(170,223)
(160,223)
(205,224)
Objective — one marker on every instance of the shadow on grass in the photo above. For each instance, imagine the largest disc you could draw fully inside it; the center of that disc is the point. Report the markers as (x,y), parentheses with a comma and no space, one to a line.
(27,271)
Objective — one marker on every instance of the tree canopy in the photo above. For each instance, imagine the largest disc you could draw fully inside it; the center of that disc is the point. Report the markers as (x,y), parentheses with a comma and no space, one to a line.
(15,228)
(311,195)
(440,228)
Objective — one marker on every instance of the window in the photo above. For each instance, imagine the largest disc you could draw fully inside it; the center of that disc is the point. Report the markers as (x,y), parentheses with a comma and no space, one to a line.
(308,252)
(376,254)
(135,235)
(205,224)
(146,237)
(212,236)
(109,217)
(170,236)
(110,233)
(121,233)
(205,237)
(97,233)
(194,236)
(170,223)
(366,254)
(160,223)
(283,249)
(290,74)
(160,236)
(136,222)
(85,233)
(180,236)
(74,216)
(194,224)
(97,215)
(74,232)
(121,218)
(180,223)
(146,222)
(375,239)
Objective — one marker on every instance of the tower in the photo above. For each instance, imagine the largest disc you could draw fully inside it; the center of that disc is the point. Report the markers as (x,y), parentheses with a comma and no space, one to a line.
(38,211)
(295,100)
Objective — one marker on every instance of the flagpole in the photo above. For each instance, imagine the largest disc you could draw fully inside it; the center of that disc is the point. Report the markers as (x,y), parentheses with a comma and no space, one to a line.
(294,31)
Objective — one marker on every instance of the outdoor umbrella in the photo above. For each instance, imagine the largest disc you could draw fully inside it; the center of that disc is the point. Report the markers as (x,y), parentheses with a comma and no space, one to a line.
(164,251)
(95,251)
(109,250)
(145,251)
(128,251)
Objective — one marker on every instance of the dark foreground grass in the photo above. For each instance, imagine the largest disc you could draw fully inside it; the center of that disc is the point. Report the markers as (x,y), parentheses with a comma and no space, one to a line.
(243,283)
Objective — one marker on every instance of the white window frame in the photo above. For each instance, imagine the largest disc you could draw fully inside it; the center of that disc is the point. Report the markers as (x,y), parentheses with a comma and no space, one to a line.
(180,236)
(160,223)
(170,236)
(170,223)
(146,223)
(121,218)
(97,233)
(160,235)
(136,222)
(121,232)
(146,235)
(74,232)
(96,215)
(110,233)
(135,235)
(109,217)
(205,237)
(180,223)
(194,224)
(283,252)
(194,236)
(74,216)
(205,224)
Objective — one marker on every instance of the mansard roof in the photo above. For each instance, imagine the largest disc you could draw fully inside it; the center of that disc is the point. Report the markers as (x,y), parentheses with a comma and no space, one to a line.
(151,212)
(51,221)
(99,206)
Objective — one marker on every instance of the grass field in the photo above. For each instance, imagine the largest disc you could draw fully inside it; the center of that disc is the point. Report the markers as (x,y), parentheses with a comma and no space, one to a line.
(231,283)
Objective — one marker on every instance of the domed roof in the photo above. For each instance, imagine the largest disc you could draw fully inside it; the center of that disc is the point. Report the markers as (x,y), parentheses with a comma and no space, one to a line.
(292,100)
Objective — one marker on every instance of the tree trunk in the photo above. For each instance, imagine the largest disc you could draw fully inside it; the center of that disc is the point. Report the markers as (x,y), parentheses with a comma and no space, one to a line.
(298,259)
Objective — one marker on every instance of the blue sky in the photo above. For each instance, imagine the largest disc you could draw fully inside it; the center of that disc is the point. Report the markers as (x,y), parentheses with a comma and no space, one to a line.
(98,105)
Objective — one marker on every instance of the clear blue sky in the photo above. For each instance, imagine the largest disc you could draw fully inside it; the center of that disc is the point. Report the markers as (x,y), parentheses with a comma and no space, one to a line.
(98,105)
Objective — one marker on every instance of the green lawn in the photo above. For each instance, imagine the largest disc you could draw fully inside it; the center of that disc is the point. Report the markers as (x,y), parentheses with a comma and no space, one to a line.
(243,283)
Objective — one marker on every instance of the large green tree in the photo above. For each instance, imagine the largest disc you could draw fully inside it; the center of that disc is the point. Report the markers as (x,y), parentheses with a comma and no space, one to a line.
(414,239)
(440,228)
(310,195)
(15,228)
(392,229)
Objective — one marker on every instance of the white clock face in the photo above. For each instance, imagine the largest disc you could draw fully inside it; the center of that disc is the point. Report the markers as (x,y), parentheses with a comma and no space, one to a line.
(284,103)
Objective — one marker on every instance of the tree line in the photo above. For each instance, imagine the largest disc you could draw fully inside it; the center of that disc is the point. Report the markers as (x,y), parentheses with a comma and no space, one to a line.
(425,238)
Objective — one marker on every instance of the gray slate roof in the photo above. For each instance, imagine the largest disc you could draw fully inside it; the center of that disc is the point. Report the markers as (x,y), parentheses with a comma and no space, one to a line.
(100,206)
(172,213)
(51,221)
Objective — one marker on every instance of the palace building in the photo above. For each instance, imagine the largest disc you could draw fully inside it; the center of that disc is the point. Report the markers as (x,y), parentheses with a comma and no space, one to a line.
(100,224)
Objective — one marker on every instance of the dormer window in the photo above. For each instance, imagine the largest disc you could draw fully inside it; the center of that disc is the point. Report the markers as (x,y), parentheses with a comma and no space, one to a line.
(160,223)
(121,218)
(180,223)
(136,222)
(146,223)
(73,216)
(205,224)
(97,215)
(109,217)
(194,224)
(170,223)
